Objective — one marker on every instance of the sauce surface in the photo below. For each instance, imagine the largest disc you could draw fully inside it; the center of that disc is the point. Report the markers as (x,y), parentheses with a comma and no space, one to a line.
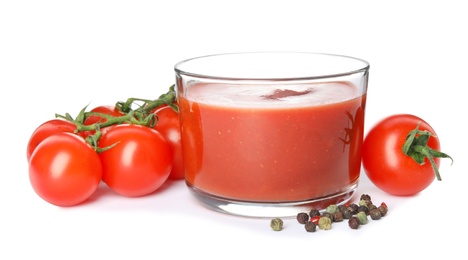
(272,143)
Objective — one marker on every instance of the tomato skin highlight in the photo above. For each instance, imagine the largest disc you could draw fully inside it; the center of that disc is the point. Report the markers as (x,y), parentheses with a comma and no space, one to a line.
(45,130)
(139,163)
(385,163)
(64,170)
(169,126)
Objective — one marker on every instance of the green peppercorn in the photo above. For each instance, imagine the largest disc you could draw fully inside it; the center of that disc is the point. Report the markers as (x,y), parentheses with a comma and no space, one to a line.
(375,214)
(332,208)
(302,217)
(314,213)
(337,216)
(310,226)
(325,223)
(353,222)
(362,217)
(365,203)
(276,224)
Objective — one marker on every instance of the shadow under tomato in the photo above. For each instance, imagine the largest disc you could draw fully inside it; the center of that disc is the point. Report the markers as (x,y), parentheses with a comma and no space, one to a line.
(104,192)
(101,191)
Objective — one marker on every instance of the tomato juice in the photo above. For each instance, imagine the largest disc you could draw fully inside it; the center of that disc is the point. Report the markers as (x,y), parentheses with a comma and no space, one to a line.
(272,142)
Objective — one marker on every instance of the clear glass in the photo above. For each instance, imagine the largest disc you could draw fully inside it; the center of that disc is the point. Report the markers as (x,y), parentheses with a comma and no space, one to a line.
(271,134)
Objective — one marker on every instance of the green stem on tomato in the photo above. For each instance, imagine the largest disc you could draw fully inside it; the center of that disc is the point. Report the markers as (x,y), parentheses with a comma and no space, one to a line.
(416,147)
(148,105)
(167,98)
(142,115)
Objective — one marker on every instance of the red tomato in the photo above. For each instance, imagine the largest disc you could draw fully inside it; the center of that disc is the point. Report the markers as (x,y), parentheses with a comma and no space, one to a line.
(45,130)
(64,170)
(168,125)
(385,163)
(140,161)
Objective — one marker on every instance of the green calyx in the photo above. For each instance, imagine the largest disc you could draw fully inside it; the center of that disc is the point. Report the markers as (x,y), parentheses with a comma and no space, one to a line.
(136,111)
(416,147)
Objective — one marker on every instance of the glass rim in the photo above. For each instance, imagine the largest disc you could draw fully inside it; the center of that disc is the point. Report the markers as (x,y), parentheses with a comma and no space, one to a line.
(359,66)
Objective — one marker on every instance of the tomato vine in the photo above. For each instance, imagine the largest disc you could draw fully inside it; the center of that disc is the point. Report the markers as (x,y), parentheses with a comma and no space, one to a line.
(135,111)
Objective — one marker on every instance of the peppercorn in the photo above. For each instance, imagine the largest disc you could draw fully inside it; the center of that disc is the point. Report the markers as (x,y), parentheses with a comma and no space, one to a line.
(366,203)
(362,217)
(314,219)
(366,197)
(342,208)
(363,209)
(314,213)
(337,216)
(346,213)
(371,207)
(276,224)
(328,215)
(310,226)
(353,208)
(383,204)
(383,209)
(375,214)
(353,222)
(302,217)
(325,223)
(332,208)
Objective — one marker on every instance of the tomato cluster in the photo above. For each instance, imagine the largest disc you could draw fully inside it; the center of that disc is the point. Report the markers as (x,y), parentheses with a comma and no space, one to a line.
(68,158)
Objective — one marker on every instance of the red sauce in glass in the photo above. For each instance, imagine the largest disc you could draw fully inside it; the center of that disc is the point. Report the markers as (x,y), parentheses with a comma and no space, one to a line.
(271,143)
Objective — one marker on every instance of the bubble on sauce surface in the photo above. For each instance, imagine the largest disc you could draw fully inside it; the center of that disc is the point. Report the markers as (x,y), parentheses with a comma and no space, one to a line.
(274,95)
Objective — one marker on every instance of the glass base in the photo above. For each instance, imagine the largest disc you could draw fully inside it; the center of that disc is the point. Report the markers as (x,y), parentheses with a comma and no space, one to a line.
(269,209)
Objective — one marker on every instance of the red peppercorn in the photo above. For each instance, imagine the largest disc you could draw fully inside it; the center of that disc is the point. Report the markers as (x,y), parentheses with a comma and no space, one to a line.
(315,219)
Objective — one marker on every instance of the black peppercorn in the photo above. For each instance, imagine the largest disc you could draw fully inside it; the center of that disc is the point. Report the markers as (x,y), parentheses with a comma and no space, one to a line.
(366,197)
(375,214)
(371,207)
(314,213)
(383,209)
(328,215)
(353,222)
(342,208)
(353,208)
(346,213)
(363,209)
(310,226)
(302,217)
(337,216)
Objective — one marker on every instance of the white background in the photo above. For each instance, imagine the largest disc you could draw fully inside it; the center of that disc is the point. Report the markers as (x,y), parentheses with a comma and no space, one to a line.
(58,56)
